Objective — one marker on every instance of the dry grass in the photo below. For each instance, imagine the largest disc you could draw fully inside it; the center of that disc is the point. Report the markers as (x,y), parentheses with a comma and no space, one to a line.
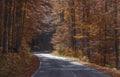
(21,64)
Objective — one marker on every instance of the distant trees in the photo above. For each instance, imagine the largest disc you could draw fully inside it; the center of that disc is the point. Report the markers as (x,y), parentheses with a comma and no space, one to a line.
(20,21)
(37,13)
(94,29)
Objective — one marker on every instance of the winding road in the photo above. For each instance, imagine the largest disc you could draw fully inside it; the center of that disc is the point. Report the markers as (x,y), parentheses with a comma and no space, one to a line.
(54,66)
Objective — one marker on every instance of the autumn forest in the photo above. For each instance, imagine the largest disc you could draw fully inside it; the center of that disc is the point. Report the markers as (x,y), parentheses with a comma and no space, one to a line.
(88,30)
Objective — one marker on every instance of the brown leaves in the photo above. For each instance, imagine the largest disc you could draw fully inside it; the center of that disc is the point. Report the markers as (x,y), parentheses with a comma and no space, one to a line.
(19,65)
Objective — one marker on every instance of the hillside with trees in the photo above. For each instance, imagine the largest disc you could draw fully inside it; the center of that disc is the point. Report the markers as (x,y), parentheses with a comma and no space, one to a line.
(89,29)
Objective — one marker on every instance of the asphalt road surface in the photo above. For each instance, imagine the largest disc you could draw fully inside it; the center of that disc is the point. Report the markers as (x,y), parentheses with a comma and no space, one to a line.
(54,66)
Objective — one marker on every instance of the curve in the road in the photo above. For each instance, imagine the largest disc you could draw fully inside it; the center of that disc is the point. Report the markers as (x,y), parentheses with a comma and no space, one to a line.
(54,66)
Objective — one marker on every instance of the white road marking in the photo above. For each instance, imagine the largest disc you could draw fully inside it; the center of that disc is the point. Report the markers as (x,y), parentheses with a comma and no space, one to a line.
(73,74)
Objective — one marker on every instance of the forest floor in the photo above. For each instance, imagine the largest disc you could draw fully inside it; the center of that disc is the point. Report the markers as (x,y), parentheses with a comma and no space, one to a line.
(18,65)
(111,71)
